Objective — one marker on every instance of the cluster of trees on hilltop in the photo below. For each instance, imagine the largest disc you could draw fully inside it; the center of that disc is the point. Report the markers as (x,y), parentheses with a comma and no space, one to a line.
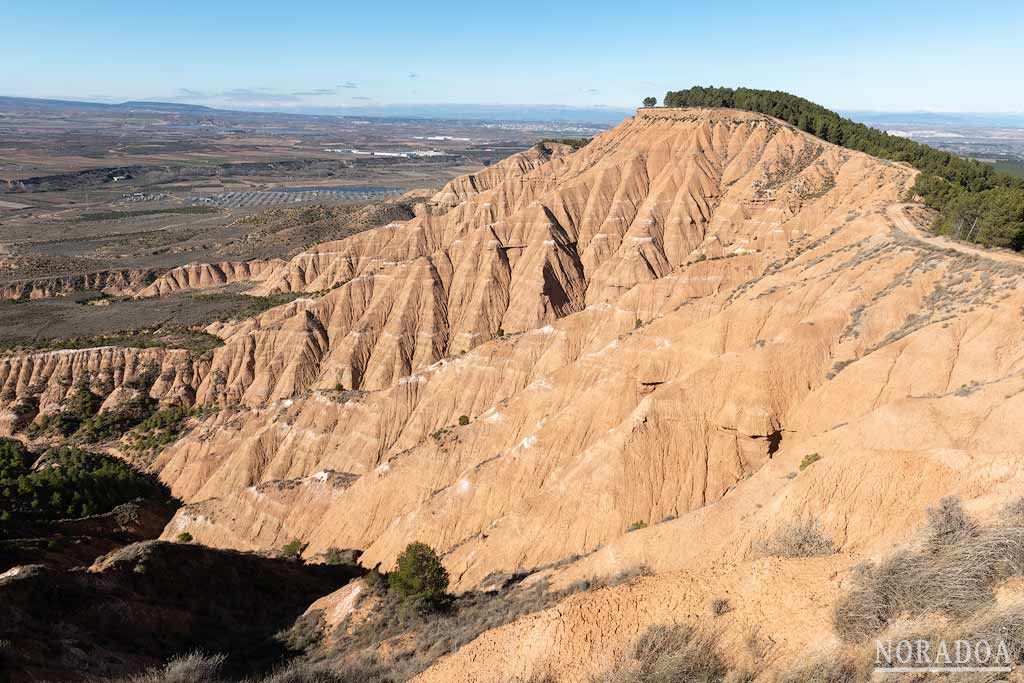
(974,201)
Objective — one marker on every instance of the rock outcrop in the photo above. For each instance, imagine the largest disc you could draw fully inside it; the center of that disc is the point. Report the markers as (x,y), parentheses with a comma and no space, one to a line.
(208,275)
(50,376)
(124,282)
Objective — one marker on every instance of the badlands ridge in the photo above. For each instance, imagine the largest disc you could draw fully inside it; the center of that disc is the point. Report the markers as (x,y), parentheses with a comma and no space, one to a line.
(657,329)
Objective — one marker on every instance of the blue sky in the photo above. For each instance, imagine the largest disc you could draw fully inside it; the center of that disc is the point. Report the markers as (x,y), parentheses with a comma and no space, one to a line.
(892,56)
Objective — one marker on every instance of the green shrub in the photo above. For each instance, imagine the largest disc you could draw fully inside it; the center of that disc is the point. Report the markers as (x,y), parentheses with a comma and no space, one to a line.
(161,428)
(184,537)
(809,460)
(420,576)
(376,582)
(636,526)
(293,549)
(463,420)
(78,407)
(115,422)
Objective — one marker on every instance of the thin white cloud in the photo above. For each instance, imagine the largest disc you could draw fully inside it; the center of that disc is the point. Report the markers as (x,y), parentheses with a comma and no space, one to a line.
(319,92)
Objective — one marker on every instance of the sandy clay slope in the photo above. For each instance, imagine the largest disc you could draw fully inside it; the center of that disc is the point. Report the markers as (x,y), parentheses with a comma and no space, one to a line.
(656,328)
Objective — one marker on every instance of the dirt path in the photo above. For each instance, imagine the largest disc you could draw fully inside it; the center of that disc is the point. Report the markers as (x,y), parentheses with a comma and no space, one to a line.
(897,214)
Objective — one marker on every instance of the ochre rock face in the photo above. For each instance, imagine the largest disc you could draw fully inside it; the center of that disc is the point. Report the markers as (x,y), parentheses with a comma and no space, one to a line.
(669,296)
(52,375)
(208,275)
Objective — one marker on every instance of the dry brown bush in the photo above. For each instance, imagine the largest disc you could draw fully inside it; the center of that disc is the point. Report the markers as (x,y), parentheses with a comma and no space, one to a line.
(802,537)
(667,654)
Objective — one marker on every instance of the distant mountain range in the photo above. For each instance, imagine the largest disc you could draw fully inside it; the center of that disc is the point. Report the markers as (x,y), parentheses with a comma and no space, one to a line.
(969,119)
(503,112)
(480,112)
(34,103)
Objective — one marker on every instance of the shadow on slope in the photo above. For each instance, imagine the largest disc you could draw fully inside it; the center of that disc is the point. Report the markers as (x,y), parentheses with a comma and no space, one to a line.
(148,602)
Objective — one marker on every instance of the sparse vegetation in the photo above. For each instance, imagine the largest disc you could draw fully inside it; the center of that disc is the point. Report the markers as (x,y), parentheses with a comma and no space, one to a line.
(115,215)
(720,606)
(163,427)
(664,654)
(80,406)
(249,306)
(184,537)
(574,143)
(825,669)
(809,460)
(636,526)
(166,337)
(422,636)
(463,420)
(974,201)
(953,573)
(801,537)
(116,421)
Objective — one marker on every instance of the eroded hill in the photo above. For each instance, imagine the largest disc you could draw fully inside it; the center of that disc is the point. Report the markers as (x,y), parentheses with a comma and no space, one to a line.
(598,360)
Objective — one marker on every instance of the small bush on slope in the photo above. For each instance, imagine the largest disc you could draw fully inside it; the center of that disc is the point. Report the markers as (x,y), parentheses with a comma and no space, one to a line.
(823,670)
(801,537)
(190,668)
(666,654)
(947,523)
(419,577)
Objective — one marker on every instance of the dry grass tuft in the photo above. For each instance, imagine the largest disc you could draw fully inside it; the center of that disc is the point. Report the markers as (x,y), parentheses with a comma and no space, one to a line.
(190,668)
(198,668)
(801,537)
(947,523)
(666,654)
(823,670)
